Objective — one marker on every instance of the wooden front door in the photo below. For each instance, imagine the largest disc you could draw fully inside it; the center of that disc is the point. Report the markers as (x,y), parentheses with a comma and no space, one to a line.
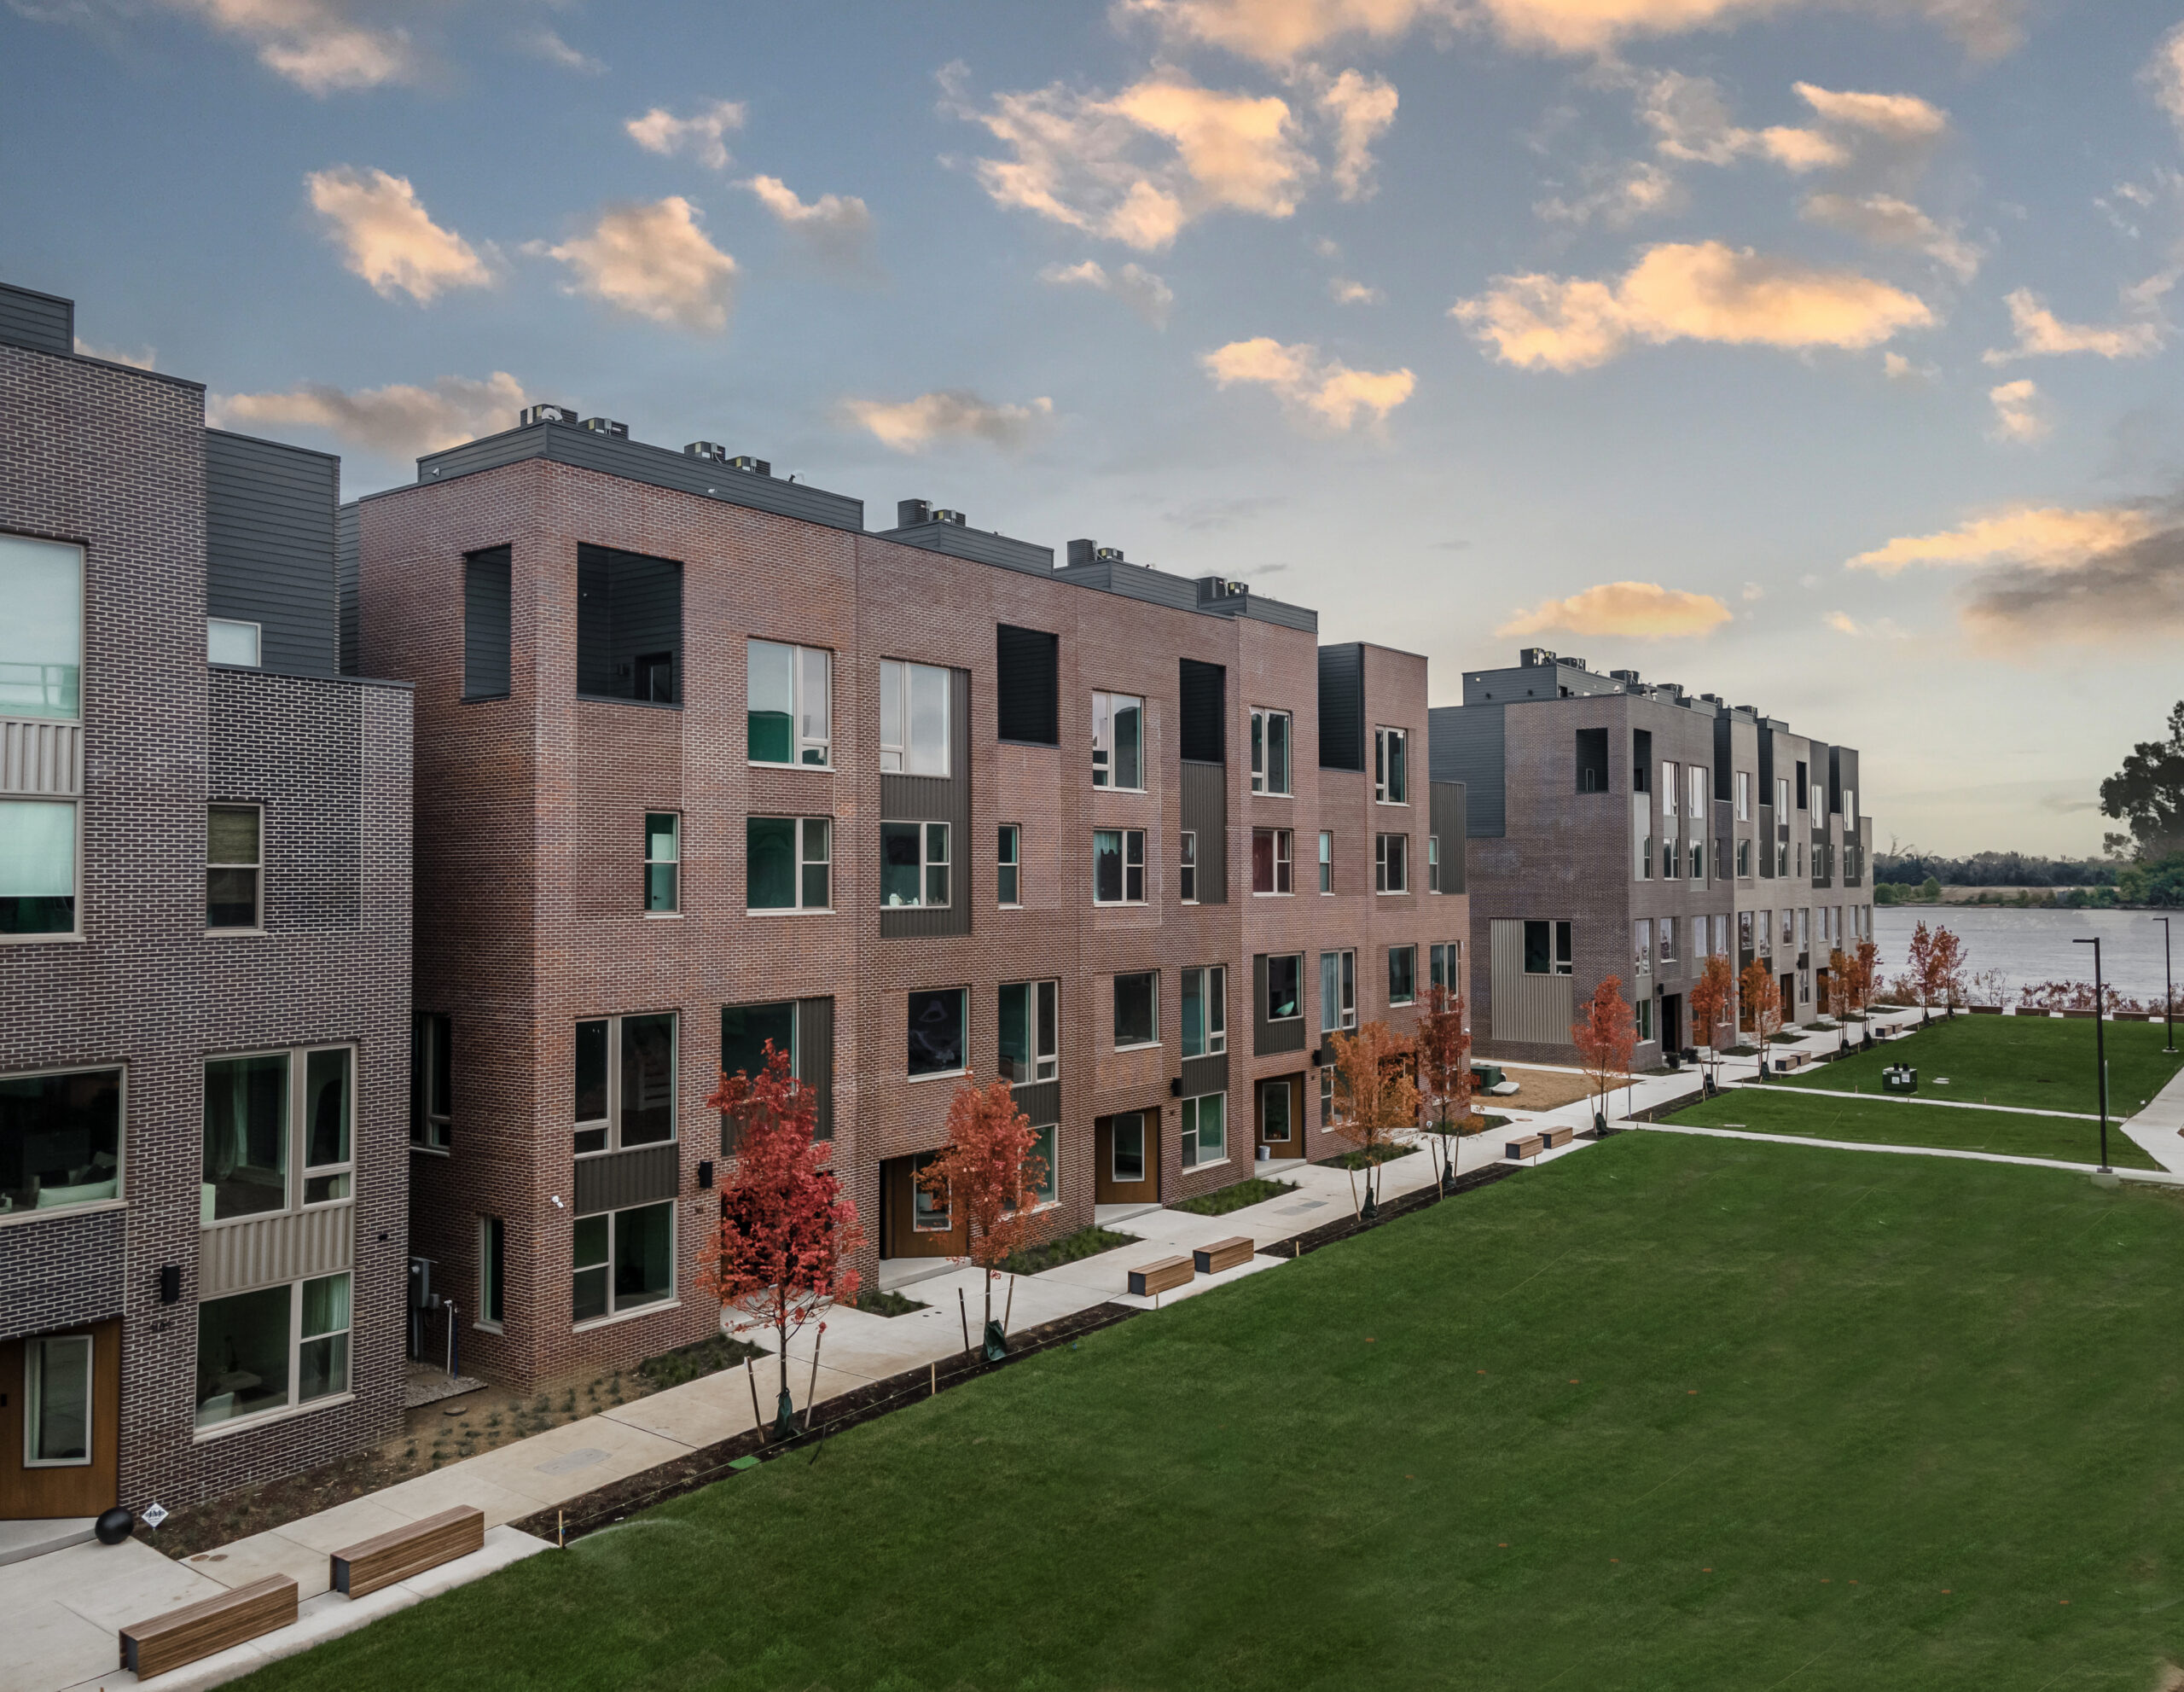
(1278,1116)
(916,1225)
(1126,1158)
(59,1423)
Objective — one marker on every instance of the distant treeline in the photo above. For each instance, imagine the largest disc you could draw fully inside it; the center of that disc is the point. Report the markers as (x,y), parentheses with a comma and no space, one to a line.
(1993,869)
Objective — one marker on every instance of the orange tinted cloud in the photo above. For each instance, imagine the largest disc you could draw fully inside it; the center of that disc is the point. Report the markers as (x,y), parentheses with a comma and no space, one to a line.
(1637,610)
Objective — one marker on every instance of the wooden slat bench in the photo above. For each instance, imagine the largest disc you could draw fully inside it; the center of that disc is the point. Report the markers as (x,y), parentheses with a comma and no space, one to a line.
(1530,1146)
(211,1624)
(1222,1254)
(1558,1137)
(1163,1277)
(401,1552)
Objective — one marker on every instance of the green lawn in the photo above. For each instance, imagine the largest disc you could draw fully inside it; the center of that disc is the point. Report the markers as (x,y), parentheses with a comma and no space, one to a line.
(2043,1062)
(1770,1109)
(1672,1414)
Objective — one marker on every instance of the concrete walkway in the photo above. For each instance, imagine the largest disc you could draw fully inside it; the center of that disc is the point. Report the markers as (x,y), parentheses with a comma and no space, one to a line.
(2160,1178)
(1948,1104)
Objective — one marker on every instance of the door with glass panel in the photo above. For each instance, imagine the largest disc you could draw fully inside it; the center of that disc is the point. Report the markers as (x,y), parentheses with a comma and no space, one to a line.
(1126,1153)
(1279,1116)
(59,1421)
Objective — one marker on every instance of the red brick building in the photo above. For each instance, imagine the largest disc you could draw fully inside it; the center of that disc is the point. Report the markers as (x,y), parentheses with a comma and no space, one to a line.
(701,761)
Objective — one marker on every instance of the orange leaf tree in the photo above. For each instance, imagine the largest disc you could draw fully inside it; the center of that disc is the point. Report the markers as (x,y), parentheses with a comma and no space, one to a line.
(1444,1067)
(1376,1099)
(988,1170)
(1711,996)
(1948,966)
(1842,993)
(1762,997)
(1925,970)
(781,1259)
(1605,1038)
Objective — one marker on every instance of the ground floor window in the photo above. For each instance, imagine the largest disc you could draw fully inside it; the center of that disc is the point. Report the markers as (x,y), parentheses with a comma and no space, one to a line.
(1206,1130)
(492,1264)
(1274,1114)
(624,1259)
(60,1139)
(1403,974)
(930,1210)
(1645,1009)
(57,1401)
(271,1349)
(1039,1165)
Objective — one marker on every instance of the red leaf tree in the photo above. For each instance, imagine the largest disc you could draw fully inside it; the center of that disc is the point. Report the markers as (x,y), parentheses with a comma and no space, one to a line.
(781,1259)
(1949,964)
(1375,1099)
(1444,1067)
(1762,997)
(1605,1038)
(988,1172)
(1711,997)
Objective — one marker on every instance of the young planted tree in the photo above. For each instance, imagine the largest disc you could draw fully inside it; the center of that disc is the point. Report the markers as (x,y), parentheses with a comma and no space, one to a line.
(1842,994)
(1865,957)
(1923,972)
(781,1259)
(1712,996)
(989,1173)
(1605,1038)
(1375,1100)
(1949,964)
(1762,995)
(1445,1072)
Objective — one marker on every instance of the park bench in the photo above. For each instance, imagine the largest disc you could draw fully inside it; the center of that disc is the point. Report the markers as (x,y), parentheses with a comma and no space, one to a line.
(1163,1276)
(1222,1254)
(401,1552)
(199,1630)
(1530,1146)
(1785,1061)
(1558,1137)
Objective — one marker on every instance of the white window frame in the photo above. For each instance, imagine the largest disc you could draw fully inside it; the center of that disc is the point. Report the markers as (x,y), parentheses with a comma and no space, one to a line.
(898,684)
(962,1068)
(1008,860)
(1641,946)
(1187,869)
(1212,983)
(34,1367)
(1383,738)
(297,1341)
(799,741)
(1145,1171)
(927,863)
(1105,706)
(1641,833)
(1345,997)
(1271,1019)
(1668,951)
(674,864)
(615,1312)
(75,809)
(1433,863)
(256,867)
(1327,861)
(1744,795)
(1411,947)
(1446,960)
(256,660)
(1284,864)
(120,1072)
(800,841)
(1045,1065)
(300,1171)
(1744,858)
(1192,1117)
(1113,983)
(1382,859)
(612,1122)
(1262,718)
(1131,864)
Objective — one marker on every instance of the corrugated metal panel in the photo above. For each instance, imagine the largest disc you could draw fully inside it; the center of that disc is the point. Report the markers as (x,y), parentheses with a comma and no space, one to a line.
(40,756)
(655,465)
(43,321)
(269,547)
(1205,811)
(266,1250)
(1465,744)
(1027,684)
(980,546)
(1039,1100)
(348,599)
(1767,835)
(1536,1009)
(1341,707)
(1135,581)
(485,598)
(1203,1075)
(934,798)
(641,1175)
(1203,696)
(1447,823)
(815,1057)
(1288,1035)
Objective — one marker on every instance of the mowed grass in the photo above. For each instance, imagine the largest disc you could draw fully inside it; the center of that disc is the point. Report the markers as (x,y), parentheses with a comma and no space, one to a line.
(1881,1120)
(2045,1063)
(1674,1413)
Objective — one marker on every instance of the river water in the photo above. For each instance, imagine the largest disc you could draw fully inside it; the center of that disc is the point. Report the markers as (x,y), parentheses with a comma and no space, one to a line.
(2031,946)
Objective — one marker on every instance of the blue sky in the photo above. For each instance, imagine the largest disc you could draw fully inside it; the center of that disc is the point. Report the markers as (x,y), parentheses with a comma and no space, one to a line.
(1815,355)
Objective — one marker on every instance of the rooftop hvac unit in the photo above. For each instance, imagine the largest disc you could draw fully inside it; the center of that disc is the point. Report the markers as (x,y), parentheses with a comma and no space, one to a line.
(942,516)
(1533,656)
(1106,555)
(706,449)
(749,466)
(910,513)
(608,426)
(544,413)
(1624,675)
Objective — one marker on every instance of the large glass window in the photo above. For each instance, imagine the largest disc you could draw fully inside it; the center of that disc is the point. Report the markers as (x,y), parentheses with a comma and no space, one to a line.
(629,626)
(229,641)
(789,863)
(936,1025)
(41,637)
(270,1113)
(1391,864)
(914,707)
(57,1401)
(431,1080)
(1338,991)
(1391,766)
(914,865)
(1138,1009)
(60,1139)
(623,1260)
(1118,866)
(789,707)
(1044,1178)
(1270,752)
(1206,1130)
(1117,740)
(233,852)
(1284,999)
(272,1348)
(1547,948)
(1446,964)
(1271,854)
(1205,1011)
(37,866)
(1403,974)
(625,1082)
(1030,1030)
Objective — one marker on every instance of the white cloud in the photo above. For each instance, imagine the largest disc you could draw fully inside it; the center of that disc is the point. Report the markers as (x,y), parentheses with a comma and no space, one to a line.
(653,261)
(1320,391)
(948,414)
(545,44)
(1903,118)
(1704,292)
(1616,196)
(1885,628)
(1137,287)
(1634,610)
(388,238)
(397,422)
(2018,416)
(313,44)
(1898,368)
(1345,292)
(2049,536)
(2164,74)
(1886,221)
(703,137)
(1360,108)
(836,227)
(146,359)
(2040,334)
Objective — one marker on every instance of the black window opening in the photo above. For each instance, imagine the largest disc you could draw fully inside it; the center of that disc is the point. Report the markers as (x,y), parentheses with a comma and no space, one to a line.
(1284,997)
(745,1030)
(1204,690)
(1592,760)
(629,626)
(1027,685)
(936,1032)
(1138,1009)
(1641,760)
(486,600)
(1547,948)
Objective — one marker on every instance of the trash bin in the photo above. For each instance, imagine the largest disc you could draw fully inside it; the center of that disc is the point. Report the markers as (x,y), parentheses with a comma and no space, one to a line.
(1900,1078)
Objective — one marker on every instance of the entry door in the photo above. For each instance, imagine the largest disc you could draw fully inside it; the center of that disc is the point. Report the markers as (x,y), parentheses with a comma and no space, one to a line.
(60,1423)
(1278,1115)
(1126,1153)
(1672,1022)
(918,1223)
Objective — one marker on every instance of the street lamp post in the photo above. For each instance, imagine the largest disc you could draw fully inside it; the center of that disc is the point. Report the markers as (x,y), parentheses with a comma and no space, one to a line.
(2099,1041)
(2168,981)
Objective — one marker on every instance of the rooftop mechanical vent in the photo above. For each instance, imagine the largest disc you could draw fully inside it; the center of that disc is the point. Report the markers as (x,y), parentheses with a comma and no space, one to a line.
(1532,657)
(910,513)
(940,515)
(749,466)
(707,450)
(544,413)
(608,427)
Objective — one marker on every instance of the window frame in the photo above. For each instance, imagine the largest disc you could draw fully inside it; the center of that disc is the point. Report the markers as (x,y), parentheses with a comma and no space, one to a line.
(1008,867)
(1326,861)
(612,1122)
(432,1042)
(1042,1031)
(672,865)
(298,1171)
(1152,996)
(800,869)
(963,1022)
(1105,754)
(120,1073)
(1445,966)
(905,747)
(75,807)
(1187,868)
(295,1404)
(257,642)
(1391,774)
(1382,860)
(1191,1118)
(256,867)
(1409,950)
(1744,795)
(1266,1010)
(1210,982)
(615,1312)
(35,1349)
(1433,863)
(1263,718)
(1127,838)
(1344,999)
(1561,945)
(493,1274)
(927,864)
(1282,862)
(798,742)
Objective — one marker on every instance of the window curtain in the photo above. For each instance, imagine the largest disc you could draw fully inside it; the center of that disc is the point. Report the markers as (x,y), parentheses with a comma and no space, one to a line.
(38,850)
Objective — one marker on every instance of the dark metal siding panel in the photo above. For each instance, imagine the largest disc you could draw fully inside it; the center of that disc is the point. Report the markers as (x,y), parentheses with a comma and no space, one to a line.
(1027,685)
(1135,581)
(1466,744)
(1447,802)
(656,466)
(1039,1100)
(346,597)
(486,589)
(1271,1037)
(641,1175)
(1276,611)
(815,1056)
(979,546)
(269,547)
(1724,757)
(1205,810)
(1202,695)
(1203,1075)
(42,321)
(936,799)
(1341,707)
(1767,835)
